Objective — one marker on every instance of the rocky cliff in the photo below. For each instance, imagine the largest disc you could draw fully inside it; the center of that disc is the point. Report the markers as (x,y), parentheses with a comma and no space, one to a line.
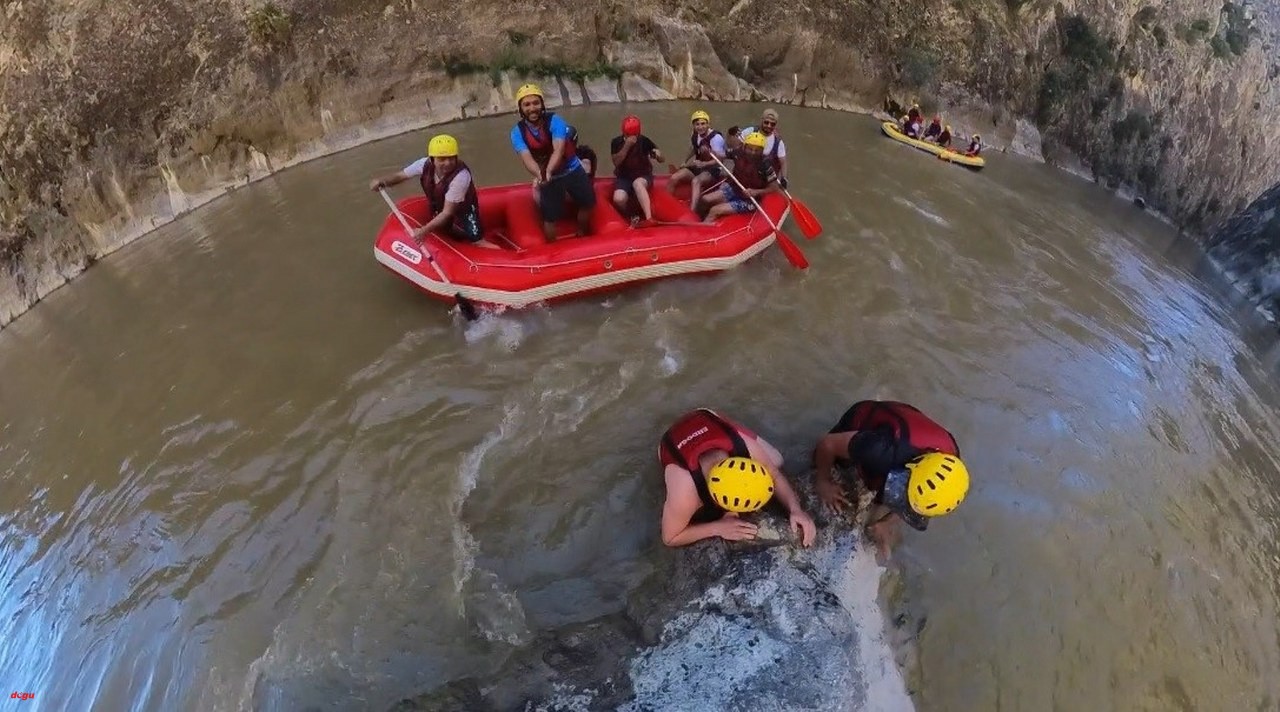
(1248,249)
(117,116)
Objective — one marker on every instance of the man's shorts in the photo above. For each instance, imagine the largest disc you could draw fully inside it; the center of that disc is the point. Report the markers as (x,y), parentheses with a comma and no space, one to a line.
(466,228)
(736,200)
(626,184)
(576,185)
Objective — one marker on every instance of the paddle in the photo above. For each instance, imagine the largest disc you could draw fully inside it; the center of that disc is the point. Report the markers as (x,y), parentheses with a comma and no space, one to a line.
(793,253)
(467,309)
(809,224)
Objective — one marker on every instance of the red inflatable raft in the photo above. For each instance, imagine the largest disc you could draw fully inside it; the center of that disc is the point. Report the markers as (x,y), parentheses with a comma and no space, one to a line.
(528,270)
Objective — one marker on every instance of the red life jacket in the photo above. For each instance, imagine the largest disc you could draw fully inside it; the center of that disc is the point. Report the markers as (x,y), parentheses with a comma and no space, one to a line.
(909,426)
(636,164)
(540,146)
(702,146)
(693,435)
(752,173)
(435,191)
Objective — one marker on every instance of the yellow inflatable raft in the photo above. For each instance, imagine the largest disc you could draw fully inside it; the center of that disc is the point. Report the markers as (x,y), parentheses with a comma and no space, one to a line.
(890,129)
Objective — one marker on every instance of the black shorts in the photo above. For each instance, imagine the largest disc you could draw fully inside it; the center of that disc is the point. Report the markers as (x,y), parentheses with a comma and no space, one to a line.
(466,228)
(716,172)
(626,184)
(576,185)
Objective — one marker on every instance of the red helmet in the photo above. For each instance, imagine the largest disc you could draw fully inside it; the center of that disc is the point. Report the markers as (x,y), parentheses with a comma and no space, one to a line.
(631,126)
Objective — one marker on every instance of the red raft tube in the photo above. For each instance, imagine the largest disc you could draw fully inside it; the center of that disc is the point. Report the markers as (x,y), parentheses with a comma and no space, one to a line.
(529,270)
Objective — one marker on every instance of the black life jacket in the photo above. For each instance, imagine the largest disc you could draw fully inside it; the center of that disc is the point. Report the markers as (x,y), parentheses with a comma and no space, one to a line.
(702,145)
(466,218)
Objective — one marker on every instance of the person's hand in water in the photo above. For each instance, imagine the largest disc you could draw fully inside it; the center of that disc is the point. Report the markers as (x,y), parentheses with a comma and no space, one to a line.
(881,534)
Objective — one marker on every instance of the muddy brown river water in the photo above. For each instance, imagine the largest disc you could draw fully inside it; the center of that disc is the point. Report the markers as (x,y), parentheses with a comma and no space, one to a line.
(245,468)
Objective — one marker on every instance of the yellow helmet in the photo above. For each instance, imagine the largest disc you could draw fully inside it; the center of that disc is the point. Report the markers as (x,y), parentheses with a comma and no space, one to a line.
(976,137)
(938,483)
(948,128)
(700,114)
(528,90)
(442,146)
(740,484)
(755,138)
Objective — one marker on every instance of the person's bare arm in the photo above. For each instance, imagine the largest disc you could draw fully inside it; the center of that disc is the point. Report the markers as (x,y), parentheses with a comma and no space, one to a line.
(389,180)
(829,448)
(682,503)
(764,452)
(531,165)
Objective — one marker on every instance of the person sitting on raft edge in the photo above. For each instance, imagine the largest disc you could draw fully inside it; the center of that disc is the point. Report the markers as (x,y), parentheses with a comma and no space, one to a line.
(935,129)
(753,170)
(546,146)
(944,138)
(450,190)
(911,463)
(715,470)
(633,154)
(699,168)
(775,149)
(975,146)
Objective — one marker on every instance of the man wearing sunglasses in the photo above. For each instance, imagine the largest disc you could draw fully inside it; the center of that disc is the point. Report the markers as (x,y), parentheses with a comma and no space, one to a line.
(911,463)
(774,148)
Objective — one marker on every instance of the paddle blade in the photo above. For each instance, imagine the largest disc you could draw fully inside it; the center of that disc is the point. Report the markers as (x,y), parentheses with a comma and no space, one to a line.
(793,253)
(805,218)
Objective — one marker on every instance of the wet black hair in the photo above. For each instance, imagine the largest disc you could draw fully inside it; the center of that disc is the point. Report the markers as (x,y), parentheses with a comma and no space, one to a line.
(875,452)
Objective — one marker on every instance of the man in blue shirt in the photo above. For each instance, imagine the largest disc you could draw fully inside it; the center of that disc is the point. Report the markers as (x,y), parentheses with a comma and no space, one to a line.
(547,146)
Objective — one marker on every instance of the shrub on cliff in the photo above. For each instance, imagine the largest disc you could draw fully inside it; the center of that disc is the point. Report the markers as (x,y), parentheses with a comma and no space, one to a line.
(1086,59)
(269,26)
(1237,29)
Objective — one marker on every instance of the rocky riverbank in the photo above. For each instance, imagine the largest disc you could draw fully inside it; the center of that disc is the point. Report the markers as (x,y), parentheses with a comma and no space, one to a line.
(1247,248)
(117,117)
(721,626)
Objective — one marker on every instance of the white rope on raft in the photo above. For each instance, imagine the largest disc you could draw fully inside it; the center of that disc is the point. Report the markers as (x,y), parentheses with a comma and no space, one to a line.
(446,243)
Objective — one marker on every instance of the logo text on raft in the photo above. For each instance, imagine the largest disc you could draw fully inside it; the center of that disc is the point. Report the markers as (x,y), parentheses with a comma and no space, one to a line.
(23,696)
(408,253)
(700,431)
